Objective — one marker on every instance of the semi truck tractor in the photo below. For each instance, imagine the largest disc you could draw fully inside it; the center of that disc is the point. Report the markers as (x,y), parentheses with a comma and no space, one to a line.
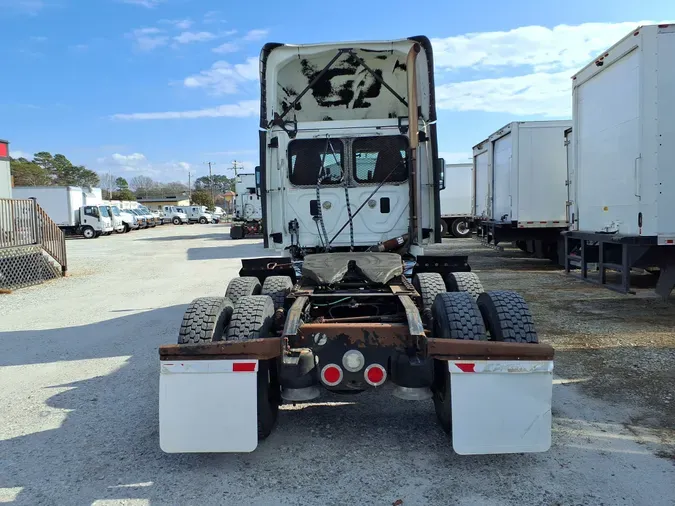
(247,219)
(350,299)
(65,205)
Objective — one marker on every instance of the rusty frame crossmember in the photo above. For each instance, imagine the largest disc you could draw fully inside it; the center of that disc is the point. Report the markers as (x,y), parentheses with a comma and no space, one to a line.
(381,335)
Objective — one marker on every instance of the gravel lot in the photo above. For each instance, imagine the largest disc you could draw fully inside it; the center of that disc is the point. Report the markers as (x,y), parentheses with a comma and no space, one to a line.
(79,382)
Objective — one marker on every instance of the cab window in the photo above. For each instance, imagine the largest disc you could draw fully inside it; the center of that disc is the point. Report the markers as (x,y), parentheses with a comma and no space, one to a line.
(306,156)
(91,211)
(380,159)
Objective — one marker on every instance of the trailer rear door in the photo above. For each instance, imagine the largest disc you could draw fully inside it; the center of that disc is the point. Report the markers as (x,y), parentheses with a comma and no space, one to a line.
(482,190)
(501,185)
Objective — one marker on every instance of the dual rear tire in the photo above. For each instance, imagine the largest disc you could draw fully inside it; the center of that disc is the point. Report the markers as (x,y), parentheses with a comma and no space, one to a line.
(246,312)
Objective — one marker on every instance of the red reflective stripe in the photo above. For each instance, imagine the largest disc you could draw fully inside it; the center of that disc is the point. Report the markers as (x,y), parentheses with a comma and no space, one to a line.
(243,367)
(466,367)
(669,241)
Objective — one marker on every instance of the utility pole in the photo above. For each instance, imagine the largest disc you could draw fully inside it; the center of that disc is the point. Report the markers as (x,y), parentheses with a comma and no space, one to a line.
(190,186)
(234,166)
(213,198)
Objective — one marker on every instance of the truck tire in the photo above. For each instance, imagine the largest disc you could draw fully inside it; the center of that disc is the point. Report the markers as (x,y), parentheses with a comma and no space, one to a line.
(175,221)
(252,318)
(464,282)
(89,233)
(456,316)
(127,228)
(461,228)
(507,317)
(277,287)
(444,228)
(428,285)
(205,320)
(203,220)
(236,232)
(242,287)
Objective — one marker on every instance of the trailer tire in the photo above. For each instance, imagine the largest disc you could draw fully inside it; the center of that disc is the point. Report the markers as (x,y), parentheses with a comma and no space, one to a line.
(89,233)
(461,228)
(205,320)
(456,316)
(277,287)
(252,318)
(236,232)
(464,282)
(507,317)
(428,285)
(242,287)
(444,228)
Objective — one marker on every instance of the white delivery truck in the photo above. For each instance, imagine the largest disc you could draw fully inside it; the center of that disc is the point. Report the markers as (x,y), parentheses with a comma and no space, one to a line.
(527,174)
(456,212)
(65,206)
(129,220)
(196,214)
(622,196)
(175,215)
(349,178)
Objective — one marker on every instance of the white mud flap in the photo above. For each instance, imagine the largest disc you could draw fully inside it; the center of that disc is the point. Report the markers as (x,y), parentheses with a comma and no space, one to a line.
(208,406)
(501,406)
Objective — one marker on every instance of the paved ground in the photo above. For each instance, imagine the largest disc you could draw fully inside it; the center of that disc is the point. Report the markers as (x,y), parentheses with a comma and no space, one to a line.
(79,377)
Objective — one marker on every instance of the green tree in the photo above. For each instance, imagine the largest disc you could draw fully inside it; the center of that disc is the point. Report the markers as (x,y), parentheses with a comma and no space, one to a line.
(123,194)
(221,183)
(27,173)
(202,198)
(46,162)
(121,184)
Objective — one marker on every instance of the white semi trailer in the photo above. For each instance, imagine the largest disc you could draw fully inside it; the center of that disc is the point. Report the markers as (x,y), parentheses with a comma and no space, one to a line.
(527,190)
(622,196)
(350,178)
(65,205)
(456,211)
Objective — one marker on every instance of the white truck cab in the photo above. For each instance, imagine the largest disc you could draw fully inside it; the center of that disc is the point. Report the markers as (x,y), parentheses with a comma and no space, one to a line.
(116,217)
(129,220)
(176,216)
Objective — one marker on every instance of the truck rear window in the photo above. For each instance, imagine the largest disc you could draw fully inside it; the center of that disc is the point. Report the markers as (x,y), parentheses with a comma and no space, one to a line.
(377,159)
(306,158)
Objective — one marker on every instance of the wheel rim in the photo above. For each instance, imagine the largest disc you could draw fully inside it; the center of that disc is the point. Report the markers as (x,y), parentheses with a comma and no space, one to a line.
(462,227)
(88,233)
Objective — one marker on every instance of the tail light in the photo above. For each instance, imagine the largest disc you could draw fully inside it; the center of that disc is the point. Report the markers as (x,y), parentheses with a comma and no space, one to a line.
(375,375)
(331,375)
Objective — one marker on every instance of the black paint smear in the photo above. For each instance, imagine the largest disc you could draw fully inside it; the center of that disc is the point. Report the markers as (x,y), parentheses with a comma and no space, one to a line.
(290,92)
(284,106)
(327,118)
(371,92)
(392,115)
(382,57)
(401,66)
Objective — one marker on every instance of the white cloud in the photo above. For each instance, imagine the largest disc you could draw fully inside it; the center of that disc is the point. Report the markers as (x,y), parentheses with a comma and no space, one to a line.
(80,48)
(542,59)
(181,24)
(534,94)
(147,39)
(38,38)
(223,77)
(189,37)
(227,47)
(243,109)
(542,48)
(132,159)
(254,35)
(137,163)
(17,153)
(148,4)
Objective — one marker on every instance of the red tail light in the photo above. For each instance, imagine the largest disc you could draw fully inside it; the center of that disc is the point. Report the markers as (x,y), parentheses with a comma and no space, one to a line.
(375,375)
(331,375)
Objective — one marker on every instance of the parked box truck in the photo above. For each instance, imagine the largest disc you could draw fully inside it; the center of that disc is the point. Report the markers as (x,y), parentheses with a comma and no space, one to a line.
(481,181)
(456,211)
(527,201)
(65,205)
(624,156)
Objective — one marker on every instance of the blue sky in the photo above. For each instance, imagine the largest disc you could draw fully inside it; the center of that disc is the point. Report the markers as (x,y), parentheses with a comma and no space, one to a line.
(95,79)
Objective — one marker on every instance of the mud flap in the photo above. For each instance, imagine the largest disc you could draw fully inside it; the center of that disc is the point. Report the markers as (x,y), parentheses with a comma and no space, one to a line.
(208,406)
(501,406)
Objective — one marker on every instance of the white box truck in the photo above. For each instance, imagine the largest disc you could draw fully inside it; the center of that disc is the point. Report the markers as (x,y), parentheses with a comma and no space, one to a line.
(623,154)
(247,219)
(65,205)
(456,198)
(527,202)
(481,181)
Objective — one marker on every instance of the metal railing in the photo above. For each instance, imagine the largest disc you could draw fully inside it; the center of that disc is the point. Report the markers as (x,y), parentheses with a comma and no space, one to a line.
(24,223)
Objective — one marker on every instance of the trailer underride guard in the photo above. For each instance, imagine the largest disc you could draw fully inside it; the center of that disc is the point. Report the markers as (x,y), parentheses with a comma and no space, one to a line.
(353,303)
